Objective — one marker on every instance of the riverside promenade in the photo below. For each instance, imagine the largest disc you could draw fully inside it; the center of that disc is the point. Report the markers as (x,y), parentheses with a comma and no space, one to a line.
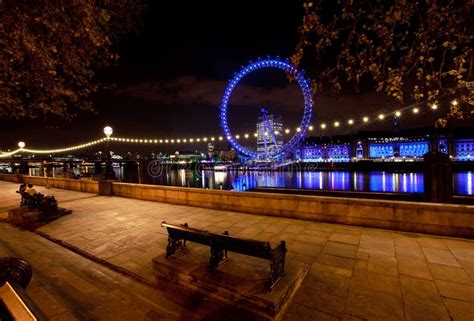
(95,264)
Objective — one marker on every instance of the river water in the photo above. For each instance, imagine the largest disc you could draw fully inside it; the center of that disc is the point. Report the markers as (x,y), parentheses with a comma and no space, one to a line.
(375,181)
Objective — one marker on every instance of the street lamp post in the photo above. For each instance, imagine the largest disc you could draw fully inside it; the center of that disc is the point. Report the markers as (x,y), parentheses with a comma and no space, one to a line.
(109,171)
(23,167)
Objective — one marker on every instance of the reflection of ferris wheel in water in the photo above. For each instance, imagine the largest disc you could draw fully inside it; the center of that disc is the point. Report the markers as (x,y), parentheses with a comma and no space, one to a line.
(269,137)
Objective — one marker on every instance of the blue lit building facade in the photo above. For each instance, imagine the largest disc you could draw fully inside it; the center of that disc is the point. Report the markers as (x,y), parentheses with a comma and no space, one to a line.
(405,145)
(337,153)
(464,149)
(394,147)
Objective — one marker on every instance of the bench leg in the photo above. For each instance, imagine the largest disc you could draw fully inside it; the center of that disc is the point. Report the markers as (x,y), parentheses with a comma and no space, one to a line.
(217,255)
(277,270)
(173,245)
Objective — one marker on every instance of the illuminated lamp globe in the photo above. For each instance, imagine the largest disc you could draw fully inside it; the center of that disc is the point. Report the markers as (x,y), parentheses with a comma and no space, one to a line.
(108,131)
(21,144)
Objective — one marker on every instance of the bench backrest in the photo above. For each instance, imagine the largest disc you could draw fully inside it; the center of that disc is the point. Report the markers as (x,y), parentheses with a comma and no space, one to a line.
(187,233)
(243,246)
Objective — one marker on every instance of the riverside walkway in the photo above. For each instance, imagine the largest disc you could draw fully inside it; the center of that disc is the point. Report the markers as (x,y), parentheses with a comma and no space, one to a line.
(355,273)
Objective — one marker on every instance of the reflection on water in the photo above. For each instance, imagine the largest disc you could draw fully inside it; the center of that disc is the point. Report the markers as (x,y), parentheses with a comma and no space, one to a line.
(347,181)
(463,183)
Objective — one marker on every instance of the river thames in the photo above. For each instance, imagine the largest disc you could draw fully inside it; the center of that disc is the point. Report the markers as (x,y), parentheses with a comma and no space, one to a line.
(336,180)
(376,181)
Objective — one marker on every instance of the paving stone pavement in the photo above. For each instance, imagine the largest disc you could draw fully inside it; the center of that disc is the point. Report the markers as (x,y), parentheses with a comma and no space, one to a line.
(355,273)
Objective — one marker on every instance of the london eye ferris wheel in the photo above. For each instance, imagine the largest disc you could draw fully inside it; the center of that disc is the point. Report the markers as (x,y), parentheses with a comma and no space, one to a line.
(269,138)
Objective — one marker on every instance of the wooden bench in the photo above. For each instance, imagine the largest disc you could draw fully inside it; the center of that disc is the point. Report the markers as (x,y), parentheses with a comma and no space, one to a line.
(221,243)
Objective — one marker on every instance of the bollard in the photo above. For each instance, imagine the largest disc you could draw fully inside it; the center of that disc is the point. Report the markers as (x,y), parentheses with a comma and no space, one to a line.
(105,187)
(437,178)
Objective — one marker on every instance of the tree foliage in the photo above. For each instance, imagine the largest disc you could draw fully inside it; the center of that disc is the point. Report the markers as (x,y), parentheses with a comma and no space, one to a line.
(413,51)
(50,52)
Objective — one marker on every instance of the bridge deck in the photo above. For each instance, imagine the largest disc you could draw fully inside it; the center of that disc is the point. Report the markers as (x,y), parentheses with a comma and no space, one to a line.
(356,273)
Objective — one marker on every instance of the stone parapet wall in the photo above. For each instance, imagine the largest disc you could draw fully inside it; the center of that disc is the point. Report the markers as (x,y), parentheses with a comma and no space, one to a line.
(14,178)
(87,186)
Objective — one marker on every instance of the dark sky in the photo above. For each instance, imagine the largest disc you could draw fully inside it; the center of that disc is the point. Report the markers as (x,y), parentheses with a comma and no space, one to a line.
(172,75)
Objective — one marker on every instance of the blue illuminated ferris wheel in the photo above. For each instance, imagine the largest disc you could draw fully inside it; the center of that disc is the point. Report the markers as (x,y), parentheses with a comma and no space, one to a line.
(305,121)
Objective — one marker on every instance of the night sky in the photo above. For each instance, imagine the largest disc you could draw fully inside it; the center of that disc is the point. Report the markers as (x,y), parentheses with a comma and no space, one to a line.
(172,75)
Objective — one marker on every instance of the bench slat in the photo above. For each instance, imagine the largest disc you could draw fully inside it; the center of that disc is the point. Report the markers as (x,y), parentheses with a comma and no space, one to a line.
(248,247)
(189,236)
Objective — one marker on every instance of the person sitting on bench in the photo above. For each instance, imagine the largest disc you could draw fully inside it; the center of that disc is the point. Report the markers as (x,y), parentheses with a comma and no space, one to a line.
(30,190)
(22,188)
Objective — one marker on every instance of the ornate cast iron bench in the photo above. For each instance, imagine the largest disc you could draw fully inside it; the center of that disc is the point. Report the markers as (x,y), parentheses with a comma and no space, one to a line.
(221,243)
(38,201)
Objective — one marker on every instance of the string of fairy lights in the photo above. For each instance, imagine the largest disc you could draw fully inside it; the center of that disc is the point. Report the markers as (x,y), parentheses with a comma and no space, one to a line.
(413,109)
(22,148)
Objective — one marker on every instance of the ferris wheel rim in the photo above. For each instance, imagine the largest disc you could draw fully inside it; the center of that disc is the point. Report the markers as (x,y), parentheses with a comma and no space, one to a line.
(307,112)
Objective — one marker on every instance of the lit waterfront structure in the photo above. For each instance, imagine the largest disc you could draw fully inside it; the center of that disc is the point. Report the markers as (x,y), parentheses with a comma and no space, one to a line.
(273,125)
(324,152)
(403,145)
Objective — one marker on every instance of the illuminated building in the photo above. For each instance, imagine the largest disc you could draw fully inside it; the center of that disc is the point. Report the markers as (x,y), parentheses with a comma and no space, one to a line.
(263,134)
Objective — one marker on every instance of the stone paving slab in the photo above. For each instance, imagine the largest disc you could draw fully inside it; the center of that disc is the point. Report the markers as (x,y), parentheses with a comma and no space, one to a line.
(356,273)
